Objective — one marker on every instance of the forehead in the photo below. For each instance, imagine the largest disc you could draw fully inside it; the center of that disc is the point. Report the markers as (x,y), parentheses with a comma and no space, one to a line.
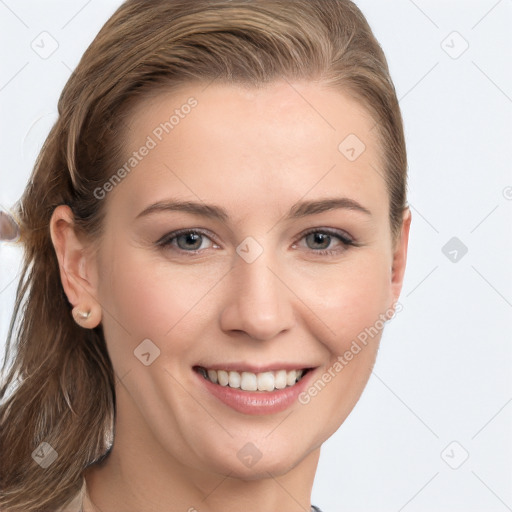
(267,145)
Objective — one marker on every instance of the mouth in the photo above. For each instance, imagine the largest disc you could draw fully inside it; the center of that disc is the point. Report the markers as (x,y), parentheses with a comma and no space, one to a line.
(267,381)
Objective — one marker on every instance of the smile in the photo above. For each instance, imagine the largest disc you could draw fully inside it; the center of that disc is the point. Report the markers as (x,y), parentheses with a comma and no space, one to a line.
(248,381)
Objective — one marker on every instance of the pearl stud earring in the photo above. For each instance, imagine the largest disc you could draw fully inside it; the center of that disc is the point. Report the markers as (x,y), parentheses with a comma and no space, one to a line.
(82,315)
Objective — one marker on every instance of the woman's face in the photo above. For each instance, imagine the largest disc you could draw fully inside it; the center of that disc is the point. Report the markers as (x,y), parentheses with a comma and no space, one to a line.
(283,262)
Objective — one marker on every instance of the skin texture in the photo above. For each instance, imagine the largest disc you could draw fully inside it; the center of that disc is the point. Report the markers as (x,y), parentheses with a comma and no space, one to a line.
(254,152)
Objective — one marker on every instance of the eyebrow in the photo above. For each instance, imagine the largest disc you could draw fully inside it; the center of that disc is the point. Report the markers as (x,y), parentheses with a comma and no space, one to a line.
(298,210)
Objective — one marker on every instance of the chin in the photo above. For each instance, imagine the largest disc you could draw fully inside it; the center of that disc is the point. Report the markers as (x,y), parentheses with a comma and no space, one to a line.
(249,461)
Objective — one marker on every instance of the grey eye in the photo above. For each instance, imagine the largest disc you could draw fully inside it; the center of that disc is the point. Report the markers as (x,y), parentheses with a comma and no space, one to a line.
(318,238)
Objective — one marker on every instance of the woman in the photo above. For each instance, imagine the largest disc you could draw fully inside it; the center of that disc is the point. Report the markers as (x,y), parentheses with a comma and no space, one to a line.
(213,224)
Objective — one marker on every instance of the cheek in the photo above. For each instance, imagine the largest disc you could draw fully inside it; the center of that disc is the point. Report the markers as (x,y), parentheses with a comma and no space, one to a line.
(349,299)
(155,299)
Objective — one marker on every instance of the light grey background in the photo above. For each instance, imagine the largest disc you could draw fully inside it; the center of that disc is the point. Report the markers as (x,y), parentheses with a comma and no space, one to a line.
(441,389)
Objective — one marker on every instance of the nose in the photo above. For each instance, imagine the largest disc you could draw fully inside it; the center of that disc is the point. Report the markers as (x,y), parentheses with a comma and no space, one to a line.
(259,303)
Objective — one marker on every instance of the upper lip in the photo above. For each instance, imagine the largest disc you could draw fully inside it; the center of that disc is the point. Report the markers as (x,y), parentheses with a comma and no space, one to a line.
(254,368)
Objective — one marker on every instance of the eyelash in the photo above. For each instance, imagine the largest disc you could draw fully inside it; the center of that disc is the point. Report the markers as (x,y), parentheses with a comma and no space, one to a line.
(166,240)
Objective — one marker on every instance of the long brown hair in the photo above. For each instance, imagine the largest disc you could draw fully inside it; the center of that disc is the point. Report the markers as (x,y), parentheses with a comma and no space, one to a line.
(58,381)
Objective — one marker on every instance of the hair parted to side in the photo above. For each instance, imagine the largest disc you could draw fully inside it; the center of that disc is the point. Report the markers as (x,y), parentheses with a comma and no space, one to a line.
(58,381)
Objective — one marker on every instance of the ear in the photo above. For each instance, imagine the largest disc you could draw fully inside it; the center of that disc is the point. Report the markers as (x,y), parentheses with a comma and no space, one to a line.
(400,256)
(77,264)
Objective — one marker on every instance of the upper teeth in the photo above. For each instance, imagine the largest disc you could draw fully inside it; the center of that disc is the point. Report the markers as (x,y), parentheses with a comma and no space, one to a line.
(248,381)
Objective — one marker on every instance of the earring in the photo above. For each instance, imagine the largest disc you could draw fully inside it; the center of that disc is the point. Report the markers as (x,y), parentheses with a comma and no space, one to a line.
(82,315)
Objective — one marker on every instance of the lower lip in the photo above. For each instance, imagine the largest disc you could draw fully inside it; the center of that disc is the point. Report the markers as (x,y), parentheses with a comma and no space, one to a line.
(257,402)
